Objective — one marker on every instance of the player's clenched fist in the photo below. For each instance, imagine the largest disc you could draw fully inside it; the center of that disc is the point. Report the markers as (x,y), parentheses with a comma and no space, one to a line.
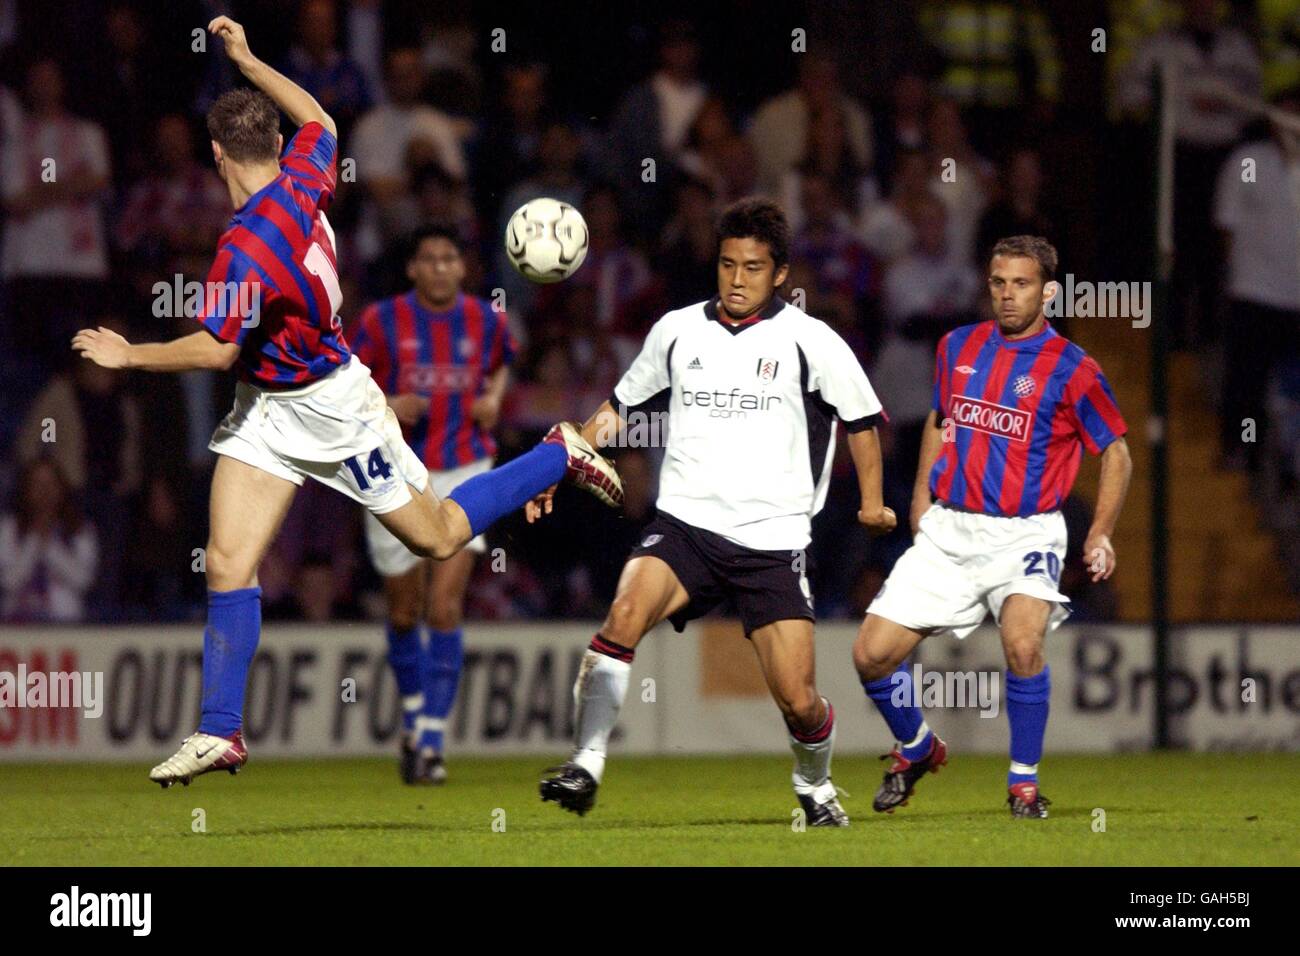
(880,521)
(540,505)
(232,34)
(1099,556)
(102,346)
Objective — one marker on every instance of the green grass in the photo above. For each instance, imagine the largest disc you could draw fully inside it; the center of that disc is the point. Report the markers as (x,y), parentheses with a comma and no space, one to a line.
(1163,809)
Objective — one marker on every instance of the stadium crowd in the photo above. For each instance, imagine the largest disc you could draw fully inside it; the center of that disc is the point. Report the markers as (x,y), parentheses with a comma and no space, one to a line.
(105,485)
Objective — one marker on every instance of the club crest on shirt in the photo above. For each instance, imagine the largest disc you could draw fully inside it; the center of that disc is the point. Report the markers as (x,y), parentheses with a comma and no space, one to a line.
(466,347)
(766,370)
(1023,386)
(965,370)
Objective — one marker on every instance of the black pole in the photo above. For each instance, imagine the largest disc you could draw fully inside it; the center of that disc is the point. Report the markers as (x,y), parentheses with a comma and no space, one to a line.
(1157,425)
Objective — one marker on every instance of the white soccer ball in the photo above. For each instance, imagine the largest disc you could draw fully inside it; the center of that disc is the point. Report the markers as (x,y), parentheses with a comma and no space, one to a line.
(546,240)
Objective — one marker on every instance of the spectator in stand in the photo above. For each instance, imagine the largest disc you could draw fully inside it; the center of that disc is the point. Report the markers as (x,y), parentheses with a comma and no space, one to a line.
(963,180)
(997,58)
(927,292)
(688,249)
(121,88)
(779,133)
(1205,51)
(615,272)
(828,156)
(48,551)
(1020,210)
(510,147)
(901,126)
(394,138)
(317,65)
(653,121)
(173,218)
(709,140)
(88,423)
(1260,221)
(557,178)
(55,257)
(887,226)
(840,263)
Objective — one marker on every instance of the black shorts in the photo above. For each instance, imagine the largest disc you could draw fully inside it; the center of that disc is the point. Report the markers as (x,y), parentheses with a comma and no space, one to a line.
(763,586)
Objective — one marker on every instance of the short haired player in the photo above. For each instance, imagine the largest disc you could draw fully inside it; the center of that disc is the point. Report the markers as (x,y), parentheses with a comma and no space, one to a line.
(305,406)
(443,360)
(1015,404)
(754,388)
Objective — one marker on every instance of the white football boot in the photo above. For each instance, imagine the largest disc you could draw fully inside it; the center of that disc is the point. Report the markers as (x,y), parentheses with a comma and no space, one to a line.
(200,754)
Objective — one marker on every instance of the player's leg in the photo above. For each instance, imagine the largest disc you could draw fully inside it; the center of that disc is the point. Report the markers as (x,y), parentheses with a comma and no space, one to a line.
(404,596)
(787,655)
(648,592)
(1023,622)
(443,658)
(404,576)
(438,528)
(247,507)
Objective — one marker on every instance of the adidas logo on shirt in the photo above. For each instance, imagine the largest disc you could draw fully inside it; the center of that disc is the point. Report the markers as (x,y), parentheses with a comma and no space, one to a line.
(695,365)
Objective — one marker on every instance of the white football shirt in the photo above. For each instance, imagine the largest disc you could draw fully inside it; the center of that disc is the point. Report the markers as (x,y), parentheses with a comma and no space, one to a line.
(751,418)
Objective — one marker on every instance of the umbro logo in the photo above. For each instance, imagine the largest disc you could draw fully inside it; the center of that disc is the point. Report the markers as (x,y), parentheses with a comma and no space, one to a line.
(965,370)
(695,366)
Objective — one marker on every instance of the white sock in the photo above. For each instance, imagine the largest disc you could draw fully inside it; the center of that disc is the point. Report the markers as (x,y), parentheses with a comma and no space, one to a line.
(812,761)
(598,696)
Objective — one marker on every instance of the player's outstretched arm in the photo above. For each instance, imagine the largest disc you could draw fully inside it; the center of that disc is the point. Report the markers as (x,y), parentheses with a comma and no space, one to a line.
(864,446)
(1116,470)
(931,446)
(299,105)
(198,350)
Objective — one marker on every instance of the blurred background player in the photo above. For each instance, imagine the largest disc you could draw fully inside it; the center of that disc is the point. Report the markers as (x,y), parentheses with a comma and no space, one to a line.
(754,387)
(303,408)
(1014,405)
(443,359)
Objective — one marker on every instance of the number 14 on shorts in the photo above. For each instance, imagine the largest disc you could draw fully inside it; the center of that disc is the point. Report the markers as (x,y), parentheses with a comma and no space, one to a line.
(376,467)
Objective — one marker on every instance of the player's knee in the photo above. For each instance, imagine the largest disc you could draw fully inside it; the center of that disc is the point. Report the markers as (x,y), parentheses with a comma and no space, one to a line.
(1024,658)
(625,622)
(226,569)
(446,614)
(802,709)
(870,663)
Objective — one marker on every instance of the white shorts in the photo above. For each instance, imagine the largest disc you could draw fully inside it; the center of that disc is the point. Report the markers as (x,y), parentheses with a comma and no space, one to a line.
(963,565)
(338,430)
(389,556)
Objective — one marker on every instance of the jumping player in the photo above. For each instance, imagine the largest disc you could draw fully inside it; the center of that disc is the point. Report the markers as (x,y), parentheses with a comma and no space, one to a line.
(754,388)
(443,359)
(1014,405)
(305,406)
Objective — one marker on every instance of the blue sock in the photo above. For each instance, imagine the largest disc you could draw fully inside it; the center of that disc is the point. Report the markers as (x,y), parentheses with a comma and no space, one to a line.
(1027,702)
(229,643)
(404,655)
(441,675)
(892,696)
(487,497)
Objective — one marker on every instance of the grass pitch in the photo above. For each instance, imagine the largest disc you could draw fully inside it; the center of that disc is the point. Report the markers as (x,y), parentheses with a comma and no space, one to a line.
(1161,809)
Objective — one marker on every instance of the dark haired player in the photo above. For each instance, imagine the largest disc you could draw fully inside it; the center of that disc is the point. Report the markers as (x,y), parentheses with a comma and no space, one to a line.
(1014,406)
(305,407)
(754,386)
(443,360)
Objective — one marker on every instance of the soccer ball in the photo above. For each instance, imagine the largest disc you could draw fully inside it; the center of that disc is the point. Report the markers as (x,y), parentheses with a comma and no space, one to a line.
(546,240)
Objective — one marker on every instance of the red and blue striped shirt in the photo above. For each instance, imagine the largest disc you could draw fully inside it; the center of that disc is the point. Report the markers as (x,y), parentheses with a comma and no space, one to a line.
(1022,410)
(444,356)
(273,288)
